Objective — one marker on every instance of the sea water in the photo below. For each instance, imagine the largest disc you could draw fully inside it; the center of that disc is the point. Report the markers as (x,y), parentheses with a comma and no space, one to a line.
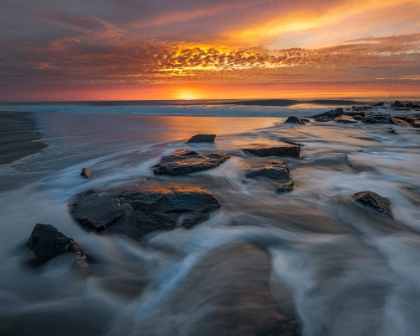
(346,269)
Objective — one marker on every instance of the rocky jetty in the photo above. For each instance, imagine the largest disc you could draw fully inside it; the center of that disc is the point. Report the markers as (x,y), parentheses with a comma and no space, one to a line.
(202,138)
(186,161)
(138,210)
(276,170)
(329,115)
(285,150)
(374,201)
(47,243)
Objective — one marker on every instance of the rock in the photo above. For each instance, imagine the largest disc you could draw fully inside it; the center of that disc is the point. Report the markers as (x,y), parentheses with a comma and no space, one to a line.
(345,119)
(412,106)
(375,201)
(399,122)
(329,115)
(295,120)
(276,170)
(47,243)
(227,292)
(397,104)
(416,123)
(377,119)
(392,131)
(86,173)
(138,210)
(202,138)
(378,104)
(280,151)
(186,161)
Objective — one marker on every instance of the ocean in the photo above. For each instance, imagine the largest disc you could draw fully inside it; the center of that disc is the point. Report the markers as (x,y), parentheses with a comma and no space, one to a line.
(327,263)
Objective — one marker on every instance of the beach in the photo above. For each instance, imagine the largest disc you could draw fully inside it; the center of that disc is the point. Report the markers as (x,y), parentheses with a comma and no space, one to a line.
(19,137)
(307,260)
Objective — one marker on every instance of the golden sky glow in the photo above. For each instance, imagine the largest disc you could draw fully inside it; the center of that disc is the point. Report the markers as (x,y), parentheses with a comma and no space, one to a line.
(195,49)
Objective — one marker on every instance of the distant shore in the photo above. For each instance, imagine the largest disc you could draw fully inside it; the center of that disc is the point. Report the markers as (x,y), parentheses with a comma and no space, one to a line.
(17,136)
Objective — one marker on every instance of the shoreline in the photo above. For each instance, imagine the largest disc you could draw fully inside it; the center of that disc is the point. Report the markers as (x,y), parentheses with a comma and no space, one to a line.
(18,133)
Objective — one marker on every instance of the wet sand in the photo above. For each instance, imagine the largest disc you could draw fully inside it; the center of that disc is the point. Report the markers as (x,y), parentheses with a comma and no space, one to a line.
(18,136)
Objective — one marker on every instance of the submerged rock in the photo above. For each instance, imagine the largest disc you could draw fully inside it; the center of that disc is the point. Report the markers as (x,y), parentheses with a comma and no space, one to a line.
(276,170)
(86,173)
(378,104)
(186,161)
(295,120)
(47,243)
(399,122)
(141,209)
(377,118)
(202,138)
(375,201)
(227,292)
(280,151)
(345,119)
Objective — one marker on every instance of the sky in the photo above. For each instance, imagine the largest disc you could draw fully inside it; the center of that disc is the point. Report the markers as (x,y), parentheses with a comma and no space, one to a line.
(55,50)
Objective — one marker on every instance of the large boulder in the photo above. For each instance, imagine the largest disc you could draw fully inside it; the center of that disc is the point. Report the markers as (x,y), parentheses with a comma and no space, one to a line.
(138,210)
(185,161)
(47,243)
(202,138)
(374,201)
(295,120)
(284,150)
(276,170)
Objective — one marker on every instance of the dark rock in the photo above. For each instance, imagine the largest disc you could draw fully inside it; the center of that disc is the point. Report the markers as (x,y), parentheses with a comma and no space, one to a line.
(378,104)
(86,173)
(345,119)
(47,243)
(243,303)
(276,170)
(398,104)
(412,106)
(377,119)
(186,161)
(416,123)
(295,120)
(144,208)
(375,201)
(399,122)
(202,138)
(392,131)
(329,115)
(280,151)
